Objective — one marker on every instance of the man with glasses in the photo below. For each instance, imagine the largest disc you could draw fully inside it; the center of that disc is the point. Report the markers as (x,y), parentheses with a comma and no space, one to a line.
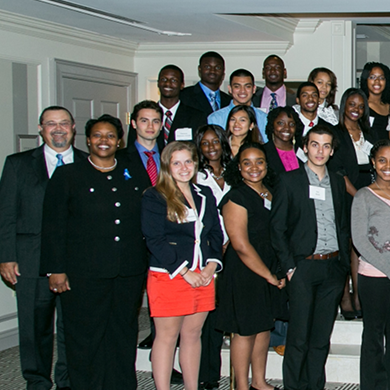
(22,190)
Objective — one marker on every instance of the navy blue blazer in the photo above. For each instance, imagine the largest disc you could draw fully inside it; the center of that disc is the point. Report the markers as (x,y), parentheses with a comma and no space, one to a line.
(173,245)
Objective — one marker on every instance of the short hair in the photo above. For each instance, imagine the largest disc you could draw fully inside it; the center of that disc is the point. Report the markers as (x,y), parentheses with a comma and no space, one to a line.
(368,67)
(333,83)
(232,174)
(306,84)
(320,129)
(253,135)
(223,139)
(273,56)
(55,108)
(383,143)
(105,118)
(241,73)
(211,54)
(272,115)
(148,105)
(364,121)
(172,67)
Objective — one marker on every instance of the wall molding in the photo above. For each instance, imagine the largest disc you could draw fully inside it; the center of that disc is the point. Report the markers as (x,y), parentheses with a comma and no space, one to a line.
(8,317)
(57,32)
(9,338)
(146,50)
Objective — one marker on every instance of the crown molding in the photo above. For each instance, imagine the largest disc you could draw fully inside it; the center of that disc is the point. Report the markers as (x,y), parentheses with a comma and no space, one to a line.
(146,50)
(307,26)
(71,35)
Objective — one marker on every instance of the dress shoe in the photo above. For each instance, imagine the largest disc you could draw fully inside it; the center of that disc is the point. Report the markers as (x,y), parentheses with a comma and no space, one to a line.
(279,349)
(62,388)
(146,343)
(176,377)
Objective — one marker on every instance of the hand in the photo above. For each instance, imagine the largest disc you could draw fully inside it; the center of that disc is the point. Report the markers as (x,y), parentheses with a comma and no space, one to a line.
(224,247)
(282,283)
(194,279)
(9,271)
(208,272)
(273,280)
(290,274)
(59,283)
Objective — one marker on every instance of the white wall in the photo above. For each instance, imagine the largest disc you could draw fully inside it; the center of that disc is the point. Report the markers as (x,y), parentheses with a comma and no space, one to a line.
(27,41)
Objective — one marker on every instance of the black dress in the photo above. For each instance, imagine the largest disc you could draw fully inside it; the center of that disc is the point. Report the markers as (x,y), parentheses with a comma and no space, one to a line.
(244,297)
(379,125)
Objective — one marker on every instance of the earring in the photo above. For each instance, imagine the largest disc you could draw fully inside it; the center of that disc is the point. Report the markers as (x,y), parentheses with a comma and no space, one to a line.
(89,144)
(117,146)
(374,166)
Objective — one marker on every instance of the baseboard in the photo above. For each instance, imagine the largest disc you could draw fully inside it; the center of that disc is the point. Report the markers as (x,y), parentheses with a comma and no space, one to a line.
(9,338)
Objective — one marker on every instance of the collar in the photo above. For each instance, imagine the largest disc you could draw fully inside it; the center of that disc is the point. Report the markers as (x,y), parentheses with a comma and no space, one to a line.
(142,148)
(173,109)
(52,153)
(207,90)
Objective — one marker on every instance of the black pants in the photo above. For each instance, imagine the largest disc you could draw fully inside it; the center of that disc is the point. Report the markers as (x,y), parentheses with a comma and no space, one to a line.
(101,330)
(36,308)
(374,296)
(315,291)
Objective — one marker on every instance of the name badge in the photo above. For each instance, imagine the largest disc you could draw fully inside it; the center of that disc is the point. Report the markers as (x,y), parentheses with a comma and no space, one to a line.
(316,193)
(301,155)
(267,204)
(366,148)
(372,119)
(183,134)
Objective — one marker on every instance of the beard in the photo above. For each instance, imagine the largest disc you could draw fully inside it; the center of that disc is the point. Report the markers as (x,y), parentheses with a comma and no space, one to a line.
(59,139)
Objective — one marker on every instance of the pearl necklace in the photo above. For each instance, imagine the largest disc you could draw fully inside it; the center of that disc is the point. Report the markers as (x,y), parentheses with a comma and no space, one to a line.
(102,168)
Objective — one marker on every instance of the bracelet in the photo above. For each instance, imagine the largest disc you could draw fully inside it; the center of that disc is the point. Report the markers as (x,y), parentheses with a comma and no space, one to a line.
(185,272)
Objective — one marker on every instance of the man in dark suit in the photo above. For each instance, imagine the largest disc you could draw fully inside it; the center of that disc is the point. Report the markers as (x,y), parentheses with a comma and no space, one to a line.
(275,93)
(310,234)
(22,189)
(179,120)
(206,96)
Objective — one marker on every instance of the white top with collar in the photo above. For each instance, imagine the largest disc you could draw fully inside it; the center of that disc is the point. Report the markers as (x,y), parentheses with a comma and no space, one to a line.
(51,158)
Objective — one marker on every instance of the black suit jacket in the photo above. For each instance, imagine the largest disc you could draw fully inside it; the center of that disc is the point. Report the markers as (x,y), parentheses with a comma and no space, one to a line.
(186,116)
(194,96)
(294,223)
(22,190)
(290,97)
(92,221)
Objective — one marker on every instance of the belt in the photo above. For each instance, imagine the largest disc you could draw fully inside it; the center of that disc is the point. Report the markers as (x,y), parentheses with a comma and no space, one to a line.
(323,257)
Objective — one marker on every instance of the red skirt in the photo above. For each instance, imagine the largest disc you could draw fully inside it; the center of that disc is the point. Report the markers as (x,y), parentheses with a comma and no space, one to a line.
(175,297)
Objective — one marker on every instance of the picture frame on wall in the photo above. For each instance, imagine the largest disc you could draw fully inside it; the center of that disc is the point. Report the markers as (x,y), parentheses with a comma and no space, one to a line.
(26,142)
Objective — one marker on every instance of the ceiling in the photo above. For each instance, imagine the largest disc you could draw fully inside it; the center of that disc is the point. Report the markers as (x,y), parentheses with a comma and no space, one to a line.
(210,20)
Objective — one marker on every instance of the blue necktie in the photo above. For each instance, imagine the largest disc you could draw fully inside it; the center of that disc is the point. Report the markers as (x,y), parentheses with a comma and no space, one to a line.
(60,160)
(213,101)
(273,103)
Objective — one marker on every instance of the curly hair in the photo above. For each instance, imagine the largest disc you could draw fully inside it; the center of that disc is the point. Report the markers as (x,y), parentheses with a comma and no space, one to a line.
(272,115)
(105,118)
(368,67)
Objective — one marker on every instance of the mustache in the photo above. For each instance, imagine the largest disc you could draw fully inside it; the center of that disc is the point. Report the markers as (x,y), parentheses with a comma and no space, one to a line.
(58,132)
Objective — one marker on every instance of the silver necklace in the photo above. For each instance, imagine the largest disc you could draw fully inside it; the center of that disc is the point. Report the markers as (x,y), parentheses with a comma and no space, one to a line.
(102,168)
(382,189)
(218,177)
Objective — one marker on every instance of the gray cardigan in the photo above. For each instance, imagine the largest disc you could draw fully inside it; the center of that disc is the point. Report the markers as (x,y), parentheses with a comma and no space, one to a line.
(371,229)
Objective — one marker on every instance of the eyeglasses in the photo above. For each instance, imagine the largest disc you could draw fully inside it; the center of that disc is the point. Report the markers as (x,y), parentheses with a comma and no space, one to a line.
(374,77)
(52,125)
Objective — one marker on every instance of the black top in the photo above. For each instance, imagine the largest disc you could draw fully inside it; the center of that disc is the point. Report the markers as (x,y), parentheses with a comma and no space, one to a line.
(379,125)
(244,303)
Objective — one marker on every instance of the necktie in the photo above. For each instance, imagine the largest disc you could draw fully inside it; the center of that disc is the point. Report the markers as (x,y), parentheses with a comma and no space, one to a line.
(60,160)
(311,124)
(167,126)
(273,103)
(151,167)
(213,101)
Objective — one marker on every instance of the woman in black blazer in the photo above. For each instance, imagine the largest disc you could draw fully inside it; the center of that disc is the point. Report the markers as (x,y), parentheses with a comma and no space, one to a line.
(283,130)
(93,247)
(183,233)
(351,160)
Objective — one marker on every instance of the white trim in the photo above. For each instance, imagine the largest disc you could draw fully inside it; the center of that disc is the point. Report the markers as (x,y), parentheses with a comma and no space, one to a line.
(9,338)
(58,32)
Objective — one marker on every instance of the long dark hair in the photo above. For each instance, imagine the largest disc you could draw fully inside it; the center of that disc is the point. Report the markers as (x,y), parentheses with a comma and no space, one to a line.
(368,67)
(232,174)
(223,139)
(364,121)
(272,115)
(333,84)
(254,134)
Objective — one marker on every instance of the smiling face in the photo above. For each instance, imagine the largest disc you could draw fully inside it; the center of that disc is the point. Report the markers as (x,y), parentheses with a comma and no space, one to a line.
(170,83)
(253,166)
(381,163)
(308,100)
(239,124)
(182,167)
(318,149)
(211,147)
(376,81)
(284,128)
(354,108)
(274,73)
(324,85)
(103,140)
(242,90)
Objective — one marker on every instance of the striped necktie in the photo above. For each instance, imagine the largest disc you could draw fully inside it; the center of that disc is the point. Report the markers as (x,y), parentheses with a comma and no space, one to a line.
(151,167)
(167,125)
(273,103)
(213,101)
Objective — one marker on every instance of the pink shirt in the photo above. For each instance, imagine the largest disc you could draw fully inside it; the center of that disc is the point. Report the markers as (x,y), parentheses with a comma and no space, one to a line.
(289,159)
(280,97)
(365,268)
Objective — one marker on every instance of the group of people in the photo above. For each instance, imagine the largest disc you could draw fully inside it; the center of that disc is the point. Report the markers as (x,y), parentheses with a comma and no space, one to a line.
(234,210)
